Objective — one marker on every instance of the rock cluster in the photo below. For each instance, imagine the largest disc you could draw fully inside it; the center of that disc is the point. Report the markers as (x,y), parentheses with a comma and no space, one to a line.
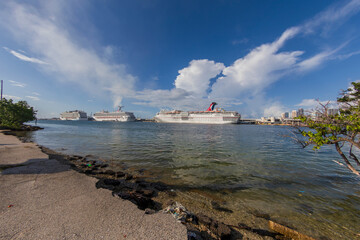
(136,189)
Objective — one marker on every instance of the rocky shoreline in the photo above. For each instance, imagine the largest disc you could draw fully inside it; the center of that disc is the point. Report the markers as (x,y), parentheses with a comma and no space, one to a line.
(134,187)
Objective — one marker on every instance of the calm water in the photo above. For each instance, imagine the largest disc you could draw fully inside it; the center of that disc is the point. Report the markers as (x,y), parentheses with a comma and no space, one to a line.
(244,167)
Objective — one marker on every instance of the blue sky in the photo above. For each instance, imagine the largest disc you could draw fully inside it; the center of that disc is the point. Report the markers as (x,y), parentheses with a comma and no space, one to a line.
(259,58)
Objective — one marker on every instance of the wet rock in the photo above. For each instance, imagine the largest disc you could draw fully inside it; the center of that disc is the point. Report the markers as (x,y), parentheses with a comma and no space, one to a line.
(74,158)
(104,165)
(217,206)
(204,220)
(244,226)
(112,182)
(220,229)
(128,176)
(110,172)
(159,186)
(261,215)
(101,184)
(88,171)
(141,201)
(119,174)
(149,211)
(148,193)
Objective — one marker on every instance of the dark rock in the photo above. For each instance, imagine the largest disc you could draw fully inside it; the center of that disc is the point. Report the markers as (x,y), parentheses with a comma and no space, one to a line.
(109,172)
(217,206)
(101,184)
(111,182)
(264,233)
(261,215)
(128,176)
(221,230)
(119,174)
(104,165)
(159,186)
(205,220)
(149,211)
(148,192)
(244,226)
(88,171)
(74,158)
(141,201)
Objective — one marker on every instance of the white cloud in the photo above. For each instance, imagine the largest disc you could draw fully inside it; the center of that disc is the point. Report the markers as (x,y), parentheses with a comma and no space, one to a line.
(35,93)
(348,55)
(332,17)
(24,58)
(12,97)
(17,84)
(258,69)
(196,77)
(43,34)
(274,110)
(314,103)
(33,98)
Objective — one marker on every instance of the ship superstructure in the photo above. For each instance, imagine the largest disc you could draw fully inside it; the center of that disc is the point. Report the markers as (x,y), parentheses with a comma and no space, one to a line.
(117,116)
(75,115)
(210,116)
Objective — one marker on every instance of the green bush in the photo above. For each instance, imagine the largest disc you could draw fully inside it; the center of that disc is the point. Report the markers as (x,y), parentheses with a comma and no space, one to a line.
(13,115)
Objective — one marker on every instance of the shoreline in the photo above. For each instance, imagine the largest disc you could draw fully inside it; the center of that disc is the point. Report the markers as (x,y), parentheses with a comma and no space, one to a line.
(143,193)
(43,198)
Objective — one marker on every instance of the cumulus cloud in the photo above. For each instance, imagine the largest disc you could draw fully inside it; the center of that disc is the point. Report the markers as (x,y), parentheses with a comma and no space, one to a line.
(23,57)
(44,34)
(258,69)
(196,77)
(176,98)
(274,110)
(17,84)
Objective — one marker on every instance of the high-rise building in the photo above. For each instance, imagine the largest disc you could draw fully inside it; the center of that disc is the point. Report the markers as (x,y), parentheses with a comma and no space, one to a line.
(300,112)
(294,114)
(285,115)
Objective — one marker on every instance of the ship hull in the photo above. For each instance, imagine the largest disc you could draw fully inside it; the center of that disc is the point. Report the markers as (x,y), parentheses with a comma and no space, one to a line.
(73,119)
(113,119)
(211,119)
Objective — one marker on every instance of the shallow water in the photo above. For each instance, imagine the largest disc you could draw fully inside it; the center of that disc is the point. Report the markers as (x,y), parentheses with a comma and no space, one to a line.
(245,168)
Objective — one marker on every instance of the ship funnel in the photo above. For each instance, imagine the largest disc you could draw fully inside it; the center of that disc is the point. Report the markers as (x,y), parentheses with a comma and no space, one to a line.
(212,107)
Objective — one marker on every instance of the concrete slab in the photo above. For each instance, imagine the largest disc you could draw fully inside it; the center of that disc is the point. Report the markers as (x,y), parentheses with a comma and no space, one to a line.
(50,201)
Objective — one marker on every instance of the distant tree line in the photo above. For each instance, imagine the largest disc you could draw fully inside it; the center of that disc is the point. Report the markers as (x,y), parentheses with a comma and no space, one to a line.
(13,115)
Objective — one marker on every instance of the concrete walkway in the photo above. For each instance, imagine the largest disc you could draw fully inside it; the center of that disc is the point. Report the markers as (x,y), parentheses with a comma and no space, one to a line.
(41,198)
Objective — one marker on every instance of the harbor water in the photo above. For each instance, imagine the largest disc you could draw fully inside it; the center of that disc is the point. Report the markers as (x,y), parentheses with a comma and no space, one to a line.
(246,169)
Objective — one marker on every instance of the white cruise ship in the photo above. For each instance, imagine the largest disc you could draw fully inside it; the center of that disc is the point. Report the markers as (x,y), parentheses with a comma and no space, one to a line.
(117,116)
(210,116)
(75,115)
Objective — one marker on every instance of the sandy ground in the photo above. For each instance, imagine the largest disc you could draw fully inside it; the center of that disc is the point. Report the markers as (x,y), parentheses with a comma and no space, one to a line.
(40,198)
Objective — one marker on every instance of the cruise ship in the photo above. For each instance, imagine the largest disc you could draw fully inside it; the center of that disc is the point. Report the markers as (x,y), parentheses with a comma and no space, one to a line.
(74,115)
(210,116)
(117,116)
